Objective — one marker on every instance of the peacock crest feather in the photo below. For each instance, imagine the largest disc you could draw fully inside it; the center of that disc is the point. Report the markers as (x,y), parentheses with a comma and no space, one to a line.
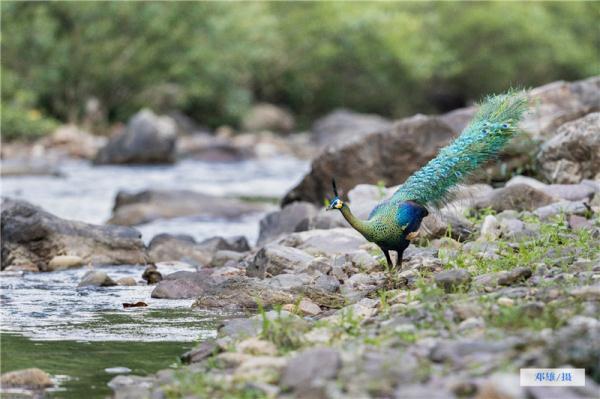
(492,127)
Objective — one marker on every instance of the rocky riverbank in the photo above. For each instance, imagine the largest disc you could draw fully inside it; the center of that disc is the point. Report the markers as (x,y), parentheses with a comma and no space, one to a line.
(507,276)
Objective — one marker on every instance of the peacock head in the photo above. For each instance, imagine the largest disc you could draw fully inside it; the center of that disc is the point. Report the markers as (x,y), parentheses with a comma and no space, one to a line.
(336,202)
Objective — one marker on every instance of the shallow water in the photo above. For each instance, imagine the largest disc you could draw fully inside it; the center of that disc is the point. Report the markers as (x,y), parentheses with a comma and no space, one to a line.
(87,192)
(75,334)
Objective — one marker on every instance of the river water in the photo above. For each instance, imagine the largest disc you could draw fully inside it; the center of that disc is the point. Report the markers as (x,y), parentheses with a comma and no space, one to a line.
(77,334)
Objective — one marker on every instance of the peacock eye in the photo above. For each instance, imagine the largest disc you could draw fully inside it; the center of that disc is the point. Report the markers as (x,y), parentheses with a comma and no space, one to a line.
(504,126)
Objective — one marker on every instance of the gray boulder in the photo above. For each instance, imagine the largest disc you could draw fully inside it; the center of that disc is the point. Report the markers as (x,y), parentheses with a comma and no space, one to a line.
(520,197)
(145,206)
(573,153)
(31,236)
(390,155)
(167,247)
(96,278)
(343,126)
(274,259)
(183,285)
(286,220)
(147,139)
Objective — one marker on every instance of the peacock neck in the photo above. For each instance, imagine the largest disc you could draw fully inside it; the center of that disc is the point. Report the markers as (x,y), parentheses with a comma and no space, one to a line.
(362,226)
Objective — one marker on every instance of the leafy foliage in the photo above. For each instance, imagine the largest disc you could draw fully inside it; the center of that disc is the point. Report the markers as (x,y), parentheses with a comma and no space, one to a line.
(213,60)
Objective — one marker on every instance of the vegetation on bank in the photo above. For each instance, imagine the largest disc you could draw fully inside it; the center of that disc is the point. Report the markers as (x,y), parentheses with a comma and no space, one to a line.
(560,258)
(213,60)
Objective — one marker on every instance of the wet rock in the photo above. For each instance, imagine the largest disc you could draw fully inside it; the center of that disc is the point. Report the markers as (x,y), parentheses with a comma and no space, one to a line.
(521,197)
(268,117)
(286,220)
(148,139)
(152,275)
(167,247)
(203,351)
(32,378)
(390,155)
(518,274)
(61,262)
(145,206)
(183,285)
(566,207)
(275,259)
(343,126)
(240,293)
(309,367)
(97,279)
(573,153)
(126,281)
(452,280)
(131,387)
(32,236)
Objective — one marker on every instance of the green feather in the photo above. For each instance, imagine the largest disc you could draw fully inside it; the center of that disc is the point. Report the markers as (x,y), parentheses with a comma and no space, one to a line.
(492,127)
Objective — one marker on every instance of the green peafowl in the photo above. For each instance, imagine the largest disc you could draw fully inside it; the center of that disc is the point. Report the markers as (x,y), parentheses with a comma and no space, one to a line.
(394,222)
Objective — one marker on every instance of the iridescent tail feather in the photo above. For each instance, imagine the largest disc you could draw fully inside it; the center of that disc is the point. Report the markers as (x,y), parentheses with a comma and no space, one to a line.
(492,127)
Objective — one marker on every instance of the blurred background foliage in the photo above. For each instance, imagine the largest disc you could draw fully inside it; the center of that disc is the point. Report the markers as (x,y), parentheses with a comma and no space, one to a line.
(213,60)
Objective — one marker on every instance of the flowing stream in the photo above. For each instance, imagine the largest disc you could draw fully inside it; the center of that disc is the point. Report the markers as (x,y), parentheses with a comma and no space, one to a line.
(82,336)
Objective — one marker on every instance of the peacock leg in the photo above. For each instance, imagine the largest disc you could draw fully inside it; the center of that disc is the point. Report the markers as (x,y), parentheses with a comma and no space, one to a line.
(399,260)
(387,257)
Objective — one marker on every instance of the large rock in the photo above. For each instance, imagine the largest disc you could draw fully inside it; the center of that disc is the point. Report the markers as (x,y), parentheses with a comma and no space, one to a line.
(33,378)
(573,154)
(343,126)
(275,259)
(167,247)
(209,148)
(74,142)
(268,117)
(240,293)
(569,192)
(183,285)
(31,236)
(326,242)
(145,206)
(309,367)
(286,220)
(148,139)
(394,154)
(520,197)
(389,155)
(556,103)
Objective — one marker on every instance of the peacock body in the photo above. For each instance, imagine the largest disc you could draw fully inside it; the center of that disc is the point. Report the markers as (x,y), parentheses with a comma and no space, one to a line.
(394,222)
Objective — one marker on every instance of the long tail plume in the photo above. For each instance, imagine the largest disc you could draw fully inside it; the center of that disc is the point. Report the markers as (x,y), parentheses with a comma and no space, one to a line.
(492,127)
